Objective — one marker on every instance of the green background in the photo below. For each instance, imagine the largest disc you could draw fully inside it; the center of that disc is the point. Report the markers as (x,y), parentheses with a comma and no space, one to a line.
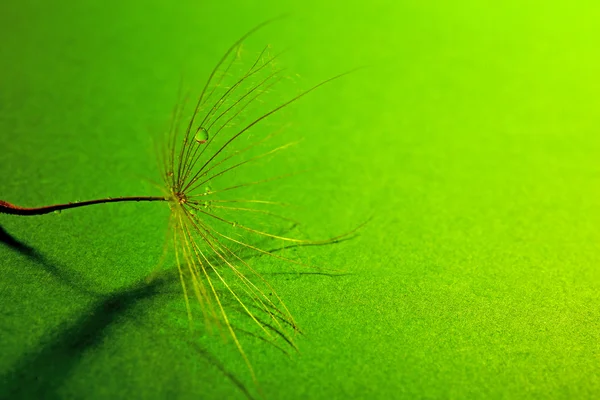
(471,137)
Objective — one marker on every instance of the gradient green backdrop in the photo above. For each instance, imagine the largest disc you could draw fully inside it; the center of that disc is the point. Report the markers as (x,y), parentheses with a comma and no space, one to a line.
(472,137)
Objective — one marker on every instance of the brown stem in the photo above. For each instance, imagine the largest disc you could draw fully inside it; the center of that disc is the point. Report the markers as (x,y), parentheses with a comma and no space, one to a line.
(8,208)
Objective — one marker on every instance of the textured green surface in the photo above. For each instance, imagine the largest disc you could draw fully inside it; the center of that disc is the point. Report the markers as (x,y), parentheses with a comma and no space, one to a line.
(472,137)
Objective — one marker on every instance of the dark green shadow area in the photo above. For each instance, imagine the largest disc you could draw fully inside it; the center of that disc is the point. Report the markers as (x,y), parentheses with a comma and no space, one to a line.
(69,278)
(42,372)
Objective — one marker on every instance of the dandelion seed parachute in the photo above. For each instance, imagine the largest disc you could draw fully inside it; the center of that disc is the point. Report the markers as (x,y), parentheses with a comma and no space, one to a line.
(212,229)
(207,225)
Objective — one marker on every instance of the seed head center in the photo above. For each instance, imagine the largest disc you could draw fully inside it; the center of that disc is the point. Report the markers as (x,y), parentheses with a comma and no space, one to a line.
(180,198)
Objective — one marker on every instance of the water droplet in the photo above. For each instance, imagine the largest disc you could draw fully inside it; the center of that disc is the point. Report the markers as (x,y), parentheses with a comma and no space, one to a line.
(201,136)
(57,212)
(207,189)
(192,211)
(206,204)
(234,224)
(170,173)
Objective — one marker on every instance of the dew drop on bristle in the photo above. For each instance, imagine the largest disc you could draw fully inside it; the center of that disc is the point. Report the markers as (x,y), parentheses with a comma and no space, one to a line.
(207,189)
(234,224)
(57,212)
(201,136)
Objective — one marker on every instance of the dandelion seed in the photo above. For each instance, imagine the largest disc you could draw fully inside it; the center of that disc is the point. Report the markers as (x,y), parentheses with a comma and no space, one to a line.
(205,252)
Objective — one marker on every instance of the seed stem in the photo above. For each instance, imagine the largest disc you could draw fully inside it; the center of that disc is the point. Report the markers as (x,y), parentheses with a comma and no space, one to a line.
(8,208)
